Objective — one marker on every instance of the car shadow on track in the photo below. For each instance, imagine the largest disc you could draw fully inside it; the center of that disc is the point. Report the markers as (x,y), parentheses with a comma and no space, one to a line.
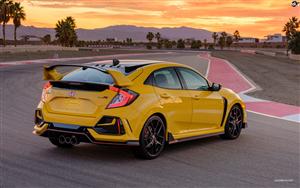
(122,154)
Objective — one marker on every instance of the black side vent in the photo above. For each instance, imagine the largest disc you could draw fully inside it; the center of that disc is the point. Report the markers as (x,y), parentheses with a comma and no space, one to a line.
(224,110)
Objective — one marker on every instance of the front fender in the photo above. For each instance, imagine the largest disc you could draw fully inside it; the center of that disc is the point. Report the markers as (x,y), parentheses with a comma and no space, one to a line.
(232,99)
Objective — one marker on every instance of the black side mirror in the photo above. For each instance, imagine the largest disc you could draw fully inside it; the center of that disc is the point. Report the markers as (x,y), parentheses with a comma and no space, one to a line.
(215,87)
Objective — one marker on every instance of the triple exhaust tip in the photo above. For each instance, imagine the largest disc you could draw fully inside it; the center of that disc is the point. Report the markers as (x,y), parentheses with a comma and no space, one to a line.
(68,140)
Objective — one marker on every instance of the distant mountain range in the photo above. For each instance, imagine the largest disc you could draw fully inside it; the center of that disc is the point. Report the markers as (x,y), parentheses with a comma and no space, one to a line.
(121,32)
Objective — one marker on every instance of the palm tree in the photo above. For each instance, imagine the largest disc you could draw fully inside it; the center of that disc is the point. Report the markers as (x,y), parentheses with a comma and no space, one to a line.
(5,15)
(18,14)
(294,44)
(205,44)
(236,36)
(157,36)
(229,41)
(215,37)
(180,44)
(65,32)
(224,34)
(71,21)
(290,29)
(47,39)
(150,36)
(72,35)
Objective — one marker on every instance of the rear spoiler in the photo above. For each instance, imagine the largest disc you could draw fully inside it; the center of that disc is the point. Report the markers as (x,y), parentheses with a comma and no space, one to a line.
(50,73)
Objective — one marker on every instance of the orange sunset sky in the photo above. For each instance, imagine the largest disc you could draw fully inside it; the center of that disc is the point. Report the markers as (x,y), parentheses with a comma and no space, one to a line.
(255,18)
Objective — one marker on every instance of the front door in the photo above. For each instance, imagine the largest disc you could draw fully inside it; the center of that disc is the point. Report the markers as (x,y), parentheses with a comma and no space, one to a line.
(208,106)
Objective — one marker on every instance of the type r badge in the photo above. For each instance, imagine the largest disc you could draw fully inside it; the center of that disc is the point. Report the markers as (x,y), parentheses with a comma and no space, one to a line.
(72,94)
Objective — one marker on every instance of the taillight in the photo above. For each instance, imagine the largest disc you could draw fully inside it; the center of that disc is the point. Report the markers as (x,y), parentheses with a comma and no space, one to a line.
(123,98)
(46,88)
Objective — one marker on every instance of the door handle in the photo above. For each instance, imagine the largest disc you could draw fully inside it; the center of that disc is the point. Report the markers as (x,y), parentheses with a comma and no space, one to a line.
(165,95)
(196,97)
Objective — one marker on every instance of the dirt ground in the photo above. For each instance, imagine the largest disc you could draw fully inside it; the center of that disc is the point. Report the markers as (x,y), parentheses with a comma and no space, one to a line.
(278,77)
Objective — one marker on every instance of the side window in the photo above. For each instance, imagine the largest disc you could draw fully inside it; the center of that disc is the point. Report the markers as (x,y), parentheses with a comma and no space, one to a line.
(192,79)
(166,78)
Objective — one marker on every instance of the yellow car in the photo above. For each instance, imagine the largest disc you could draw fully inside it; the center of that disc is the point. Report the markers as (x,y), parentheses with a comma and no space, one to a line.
(143,104)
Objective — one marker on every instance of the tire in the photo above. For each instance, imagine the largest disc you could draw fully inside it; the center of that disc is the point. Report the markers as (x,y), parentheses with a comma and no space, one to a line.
(152,139)
(234,123)
(55,141)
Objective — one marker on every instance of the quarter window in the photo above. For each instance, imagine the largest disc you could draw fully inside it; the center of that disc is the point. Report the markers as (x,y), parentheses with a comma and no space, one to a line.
(193,80)
(167,78)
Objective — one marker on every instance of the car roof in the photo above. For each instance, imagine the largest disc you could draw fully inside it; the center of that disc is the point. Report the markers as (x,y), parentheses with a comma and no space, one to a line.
(129,65)
(126,62)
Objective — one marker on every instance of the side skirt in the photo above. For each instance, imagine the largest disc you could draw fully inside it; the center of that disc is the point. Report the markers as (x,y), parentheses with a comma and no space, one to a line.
(194,137)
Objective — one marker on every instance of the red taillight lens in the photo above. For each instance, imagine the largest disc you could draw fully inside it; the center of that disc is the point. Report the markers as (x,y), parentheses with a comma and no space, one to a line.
(123,98)
(47,85)
(46,88)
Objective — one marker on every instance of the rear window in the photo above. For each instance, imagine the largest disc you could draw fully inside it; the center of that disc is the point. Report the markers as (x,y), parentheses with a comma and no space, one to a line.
(88,75)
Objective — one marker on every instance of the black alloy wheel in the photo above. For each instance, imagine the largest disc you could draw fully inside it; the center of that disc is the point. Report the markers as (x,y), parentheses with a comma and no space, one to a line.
(152,138)
(234,123)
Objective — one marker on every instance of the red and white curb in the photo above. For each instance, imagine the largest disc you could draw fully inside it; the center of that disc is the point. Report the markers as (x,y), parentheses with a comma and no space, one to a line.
(59,60)
(223,72)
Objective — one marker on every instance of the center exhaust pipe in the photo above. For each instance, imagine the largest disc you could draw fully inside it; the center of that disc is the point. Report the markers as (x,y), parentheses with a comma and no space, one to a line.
(68,140)
(62,139)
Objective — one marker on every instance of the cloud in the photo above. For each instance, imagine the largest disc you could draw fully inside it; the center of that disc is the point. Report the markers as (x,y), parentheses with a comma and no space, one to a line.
(253,17)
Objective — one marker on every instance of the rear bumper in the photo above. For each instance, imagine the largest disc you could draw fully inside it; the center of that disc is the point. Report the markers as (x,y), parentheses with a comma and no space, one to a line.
(84,134)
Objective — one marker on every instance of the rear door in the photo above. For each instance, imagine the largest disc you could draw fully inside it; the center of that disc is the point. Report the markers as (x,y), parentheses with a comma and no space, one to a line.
(208,106)
(176,103)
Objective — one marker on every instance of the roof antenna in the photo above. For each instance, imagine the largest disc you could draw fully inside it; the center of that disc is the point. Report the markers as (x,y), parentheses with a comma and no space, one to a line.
(116,62)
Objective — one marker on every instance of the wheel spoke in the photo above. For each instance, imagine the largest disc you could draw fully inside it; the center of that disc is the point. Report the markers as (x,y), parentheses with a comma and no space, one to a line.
(154,140)
(150,130)
(160,128)
(149,144)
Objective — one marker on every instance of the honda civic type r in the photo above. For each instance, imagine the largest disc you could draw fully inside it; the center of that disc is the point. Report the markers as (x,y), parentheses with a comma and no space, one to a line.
(144,104)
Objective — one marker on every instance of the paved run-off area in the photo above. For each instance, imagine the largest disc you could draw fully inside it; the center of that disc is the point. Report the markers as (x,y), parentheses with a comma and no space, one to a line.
(222,71)
(278,77)
(266,154)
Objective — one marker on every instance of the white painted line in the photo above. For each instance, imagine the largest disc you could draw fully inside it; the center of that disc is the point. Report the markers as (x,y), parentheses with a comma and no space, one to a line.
(252,86)
(282,118)
(208,65)
(208,68)
(294,117)
(247,98)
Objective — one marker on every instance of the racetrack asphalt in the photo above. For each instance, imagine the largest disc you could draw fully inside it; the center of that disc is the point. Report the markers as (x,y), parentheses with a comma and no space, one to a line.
(266,154)
(279,77)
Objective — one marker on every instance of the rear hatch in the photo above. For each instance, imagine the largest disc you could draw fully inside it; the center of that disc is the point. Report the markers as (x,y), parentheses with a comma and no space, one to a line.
(79,99)
(84,91)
